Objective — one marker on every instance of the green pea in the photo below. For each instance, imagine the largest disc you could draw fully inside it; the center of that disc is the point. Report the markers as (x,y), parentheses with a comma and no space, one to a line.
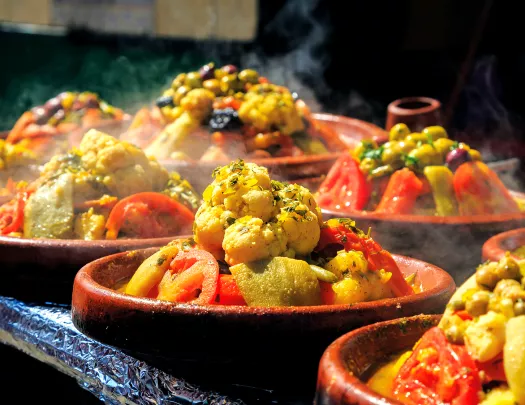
(478,304)
(398,132)
(456,305)
(508,268)
(367,165)
(486,275)
(454,335)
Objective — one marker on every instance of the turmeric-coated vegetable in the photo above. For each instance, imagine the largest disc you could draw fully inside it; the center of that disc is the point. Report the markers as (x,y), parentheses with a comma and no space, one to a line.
(440,179)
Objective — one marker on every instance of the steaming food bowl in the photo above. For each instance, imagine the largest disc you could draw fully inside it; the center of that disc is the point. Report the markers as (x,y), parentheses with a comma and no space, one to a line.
(346,364)
(349,130)
(497,246)
(162,330)
(452,243)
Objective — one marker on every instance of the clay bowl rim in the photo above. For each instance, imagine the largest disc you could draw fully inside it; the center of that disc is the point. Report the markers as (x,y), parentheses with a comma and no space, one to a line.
(432,105)
(496,246)
(85,281)
(380,135)
(11,241)
(430,219)
(333,360)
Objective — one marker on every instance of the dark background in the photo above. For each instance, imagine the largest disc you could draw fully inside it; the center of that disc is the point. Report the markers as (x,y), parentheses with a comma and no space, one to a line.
(354,56)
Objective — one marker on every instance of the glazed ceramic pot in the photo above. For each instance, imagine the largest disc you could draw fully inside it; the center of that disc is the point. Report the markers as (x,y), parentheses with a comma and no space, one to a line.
(416,112)
(452,243)
(277,338)
(347,363)
(496,247)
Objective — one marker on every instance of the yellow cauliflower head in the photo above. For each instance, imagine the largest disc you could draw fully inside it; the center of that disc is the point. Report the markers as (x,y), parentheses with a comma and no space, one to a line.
(125,168)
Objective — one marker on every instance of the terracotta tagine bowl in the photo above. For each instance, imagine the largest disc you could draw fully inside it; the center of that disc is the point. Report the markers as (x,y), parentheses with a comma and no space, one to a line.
(416,112)
(348,131)
(348,362)
(250,339)
(452,243)
(496,247)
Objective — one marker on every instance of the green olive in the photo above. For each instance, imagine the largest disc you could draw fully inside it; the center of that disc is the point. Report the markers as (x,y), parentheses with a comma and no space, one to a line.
(504,285)
(392,153)
(508,268)
(474,154)
(424,155)
(478,304)
(456,305)
(454,334)
(435,132)
(178,81)
(193,80)
(230,83)
(367,165)
(519,308)
(363,146)
(443,145)
(180,93)
(212,85)
(249,76)
(486,275)
(417,137)
(398,132)
(407,146)
(381,171)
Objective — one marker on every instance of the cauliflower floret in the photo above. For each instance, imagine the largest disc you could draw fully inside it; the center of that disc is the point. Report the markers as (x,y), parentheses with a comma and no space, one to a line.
(250,239)
(124,167)
(198,102)
(208,227)
(485,337)
(287,195)
(301,227)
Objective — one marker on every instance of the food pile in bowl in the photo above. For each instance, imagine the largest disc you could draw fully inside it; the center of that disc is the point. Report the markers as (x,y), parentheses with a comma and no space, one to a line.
(35,137)
(219,114)
(476,355)
(105,189)
(259,242)
(415,174)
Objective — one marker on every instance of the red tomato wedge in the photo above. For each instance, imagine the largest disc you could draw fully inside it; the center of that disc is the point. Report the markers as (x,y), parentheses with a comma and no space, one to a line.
(401,193)
(327,293)
(228,292)
(341,236)
(438,373)
(345,186)
(145,204)
(193,277)
(479,191)
(493,369)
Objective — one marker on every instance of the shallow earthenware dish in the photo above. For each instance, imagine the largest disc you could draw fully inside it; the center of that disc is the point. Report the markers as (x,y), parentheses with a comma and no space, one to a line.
(347,363)
(452,243)
(496,247)
(350,132)
(160,329)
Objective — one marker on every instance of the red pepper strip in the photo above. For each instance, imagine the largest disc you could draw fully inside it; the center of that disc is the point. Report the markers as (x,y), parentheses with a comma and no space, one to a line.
(377,257)
(401,193)
(228,292)
(155,202)
(16,133)
(194,270)
(345,186)
(437,373)
(464,315)
(493,369)
(12,218)
(479,191)
(327,293)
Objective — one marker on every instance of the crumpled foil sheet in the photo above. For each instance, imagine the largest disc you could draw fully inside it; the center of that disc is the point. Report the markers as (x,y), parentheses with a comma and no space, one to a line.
(47,334)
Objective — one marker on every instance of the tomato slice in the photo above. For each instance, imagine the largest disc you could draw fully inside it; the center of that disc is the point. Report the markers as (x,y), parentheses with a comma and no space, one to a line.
(228,292)
(480,191)
(327,293)
(145,204)
(193,277)
(493,369)
(12,214)
(401,193)
(345,186)
(437,373)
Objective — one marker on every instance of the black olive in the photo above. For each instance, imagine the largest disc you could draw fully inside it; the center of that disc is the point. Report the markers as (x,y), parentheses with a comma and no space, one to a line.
(52,106)
(226,118)
(41,116)
(207,71)
(92,102)
(164,101)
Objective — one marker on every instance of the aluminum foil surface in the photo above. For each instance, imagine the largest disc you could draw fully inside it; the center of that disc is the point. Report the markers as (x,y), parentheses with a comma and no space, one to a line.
(47,334)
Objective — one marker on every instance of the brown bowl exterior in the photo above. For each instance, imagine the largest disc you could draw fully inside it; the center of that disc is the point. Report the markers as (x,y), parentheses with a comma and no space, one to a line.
(44,269)
(452,243)
(347,361)
(416,112)
(496,247)
(264,336)
(349,130)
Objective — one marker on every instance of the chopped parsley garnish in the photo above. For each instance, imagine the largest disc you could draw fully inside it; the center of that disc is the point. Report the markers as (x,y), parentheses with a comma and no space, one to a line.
(374,154)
